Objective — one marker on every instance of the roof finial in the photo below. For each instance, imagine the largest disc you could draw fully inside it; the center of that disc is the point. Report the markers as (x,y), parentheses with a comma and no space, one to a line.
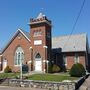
(41,13)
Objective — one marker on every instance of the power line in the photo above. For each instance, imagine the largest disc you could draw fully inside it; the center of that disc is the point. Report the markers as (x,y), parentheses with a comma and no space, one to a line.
(75,22)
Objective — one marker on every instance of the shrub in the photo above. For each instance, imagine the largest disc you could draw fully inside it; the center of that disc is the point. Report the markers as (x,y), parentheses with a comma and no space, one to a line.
(7,70)
(77,70)
(55,68)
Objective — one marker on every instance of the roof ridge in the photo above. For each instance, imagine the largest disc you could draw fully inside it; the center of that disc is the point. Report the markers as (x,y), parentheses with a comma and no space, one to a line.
(69,35)
(23,30)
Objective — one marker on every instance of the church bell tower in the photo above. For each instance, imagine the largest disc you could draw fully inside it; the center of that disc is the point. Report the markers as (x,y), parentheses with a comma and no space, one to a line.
(40,36)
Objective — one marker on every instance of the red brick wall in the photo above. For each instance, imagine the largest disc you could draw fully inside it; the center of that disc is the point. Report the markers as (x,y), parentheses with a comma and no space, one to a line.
(70,59)
(44,28)
(10,51)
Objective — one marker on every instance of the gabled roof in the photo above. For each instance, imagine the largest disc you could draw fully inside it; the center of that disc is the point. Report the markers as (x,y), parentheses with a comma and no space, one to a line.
(24,33)
(71,43)
(75,43)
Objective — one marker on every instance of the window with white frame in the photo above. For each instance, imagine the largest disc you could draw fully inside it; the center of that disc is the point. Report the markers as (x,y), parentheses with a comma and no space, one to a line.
(64,60)
(76,58)
(37,33)
(19,56)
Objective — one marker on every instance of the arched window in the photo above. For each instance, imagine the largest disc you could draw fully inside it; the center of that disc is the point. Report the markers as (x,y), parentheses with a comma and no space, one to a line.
(19,56)
(38,55)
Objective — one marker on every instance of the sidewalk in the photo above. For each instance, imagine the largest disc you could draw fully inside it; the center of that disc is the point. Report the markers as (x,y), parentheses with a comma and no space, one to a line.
(17,88)
(86,84)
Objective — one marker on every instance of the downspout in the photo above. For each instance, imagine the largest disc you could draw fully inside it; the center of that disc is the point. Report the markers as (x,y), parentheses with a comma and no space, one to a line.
(86,54)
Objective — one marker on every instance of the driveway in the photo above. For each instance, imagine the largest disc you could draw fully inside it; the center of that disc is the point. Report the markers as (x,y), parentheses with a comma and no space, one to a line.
(17,88)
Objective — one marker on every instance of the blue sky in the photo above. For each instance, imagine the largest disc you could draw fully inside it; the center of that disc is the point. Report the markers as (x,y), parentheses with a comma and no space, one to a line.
(16,14)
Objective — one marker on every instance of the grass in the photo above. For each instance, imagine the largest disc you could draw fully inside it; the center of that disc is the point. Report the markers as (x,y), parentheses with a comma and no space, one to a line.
(9,75)
(51,77)
(41,77)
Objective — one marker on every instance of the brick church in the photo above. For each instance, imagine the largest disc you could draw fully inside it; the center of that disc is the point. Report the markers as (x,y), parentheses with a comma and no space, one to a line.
(38,48)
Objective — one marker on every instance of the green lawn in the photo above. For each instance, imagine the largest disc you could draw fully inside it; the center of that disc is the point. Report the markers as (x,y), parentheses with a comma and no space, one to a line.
(42,77)
(8,75)
(51,77)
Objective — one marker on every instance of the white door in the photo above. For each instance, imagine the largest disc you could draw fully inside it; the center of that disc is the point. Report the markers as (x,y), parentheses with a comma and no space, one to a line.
(38,65)
(4,64)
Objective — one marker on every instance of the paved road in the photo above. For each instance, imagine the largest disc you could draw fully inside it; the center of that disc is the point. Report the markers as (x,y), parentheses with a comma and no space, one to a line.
(17,88)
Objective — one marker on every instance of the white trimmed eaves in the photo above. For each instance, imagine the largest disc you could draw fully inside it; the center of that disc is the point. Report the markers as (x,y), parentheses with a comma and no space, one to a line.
(19,30)
(24,35)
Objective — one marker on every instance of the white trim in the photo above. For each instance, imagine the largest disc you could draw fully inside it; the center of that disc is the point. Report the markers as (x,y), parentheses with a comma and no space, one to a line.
(0,55)
(65,58)
(47,61)
(24,34)
(37,42)
(44,61)
(44,70)
(13,36)
(4,63)
(19,51)
(30,48)
(45,46)
(40,22)
(29,62)
(75,58)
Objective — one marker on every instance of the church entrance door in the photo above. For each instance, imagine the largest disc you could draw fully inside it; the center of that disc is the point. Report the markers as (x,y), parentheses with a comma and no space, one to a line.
(38,63)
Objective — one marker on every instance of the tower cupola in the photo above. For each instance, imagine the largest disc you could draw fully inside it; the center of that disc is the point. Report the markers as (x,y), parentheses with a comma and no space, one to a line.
(41,18)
